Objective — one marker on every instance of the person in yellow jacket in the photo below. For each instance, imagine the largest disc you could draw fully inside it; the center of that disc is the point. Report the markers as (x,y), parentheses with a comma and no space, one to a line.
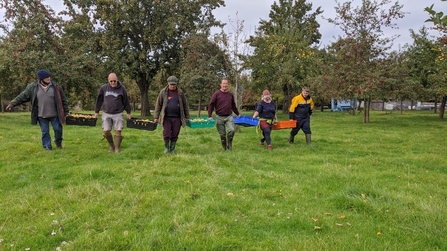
(300,110)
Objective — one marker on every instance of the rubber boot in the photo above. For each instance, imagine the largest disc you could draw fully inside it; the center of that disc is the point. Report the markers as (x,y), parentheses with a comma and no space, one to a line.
(223,139)
(118,140)
(172,148)
(291,139)
(111,144)
(230,143)
(166,147)
(308,139)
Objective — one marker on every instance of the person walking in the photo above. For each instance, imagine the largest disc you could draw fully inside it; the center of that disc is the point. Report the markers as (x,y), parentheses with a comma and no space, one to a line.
(172,112)
(266,110)
(113,100)
(49,105)
(224,105)
(300,110)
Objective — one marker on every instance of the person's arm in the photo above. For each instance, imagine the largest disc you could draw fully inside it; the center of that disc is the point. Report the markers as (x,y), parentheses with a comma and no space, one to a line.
(99,102)
(211,106)
(23,97)
(292,108)
(158,105)
(185,106)
(126,103)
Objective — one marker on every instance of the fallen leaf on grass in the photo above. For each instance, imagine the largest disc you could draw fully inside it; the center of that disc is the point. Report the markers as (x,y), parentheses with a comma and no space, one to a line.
(339,225)
(230,194)
(341,217)
(349,224)
(317,228)
(327,214)
(380,232)
(315,219)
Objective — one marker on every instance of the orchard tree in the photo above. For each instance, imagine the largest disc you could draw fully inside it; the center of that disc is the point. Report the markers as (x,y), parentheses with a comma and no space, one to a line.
(234,45)
(440,79)
(422,63)
(283,55)
(36,37)
(142,37)
(204,64)
(359,53)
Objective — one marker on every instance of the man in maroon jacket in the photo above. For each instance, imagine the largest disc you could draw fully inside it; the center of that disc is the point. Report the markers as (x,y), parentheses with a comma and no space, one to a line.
(224,105)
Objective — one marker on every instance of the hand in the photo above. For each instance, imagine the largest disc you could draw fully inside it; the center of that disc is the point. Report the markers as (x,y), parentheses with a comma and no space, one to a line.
(155,120)
(8,107)
(95,115)
(128,116)
(210,118)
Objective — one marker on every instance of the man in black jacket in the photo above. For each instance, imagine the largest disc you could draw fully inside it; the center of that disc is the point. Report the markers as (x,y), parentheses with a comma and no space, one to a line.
(113,100)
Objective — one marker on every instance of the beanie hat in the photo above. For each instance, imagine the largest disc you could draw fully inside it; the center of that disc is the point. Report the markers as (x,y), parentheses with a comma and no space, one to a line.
(42,74)
(265,92)
(172,80)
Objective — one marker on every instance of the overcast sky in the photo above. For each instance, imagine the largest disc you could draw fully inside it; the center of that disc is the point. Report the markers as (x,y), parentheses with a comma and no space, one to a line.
(251,11)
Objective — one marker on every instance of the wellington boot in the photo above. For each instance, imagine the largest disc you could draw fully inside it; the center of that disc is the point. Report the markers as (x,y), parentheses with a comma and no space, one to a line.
(291,139)
(223,139)
(172,147)
(166,147)
(230,143)
(308,139)
(118,140)
(109,138)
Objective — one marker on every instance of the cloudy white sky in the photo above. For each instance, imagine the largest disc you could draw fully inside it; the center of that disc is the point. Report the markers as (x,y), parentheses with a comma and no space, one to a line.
(251,11)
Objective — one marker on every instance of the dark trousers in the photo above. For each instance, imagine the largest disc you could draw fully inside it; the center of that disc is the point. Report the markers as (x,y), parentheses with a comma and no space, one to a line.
(45,128)
(171,128)
(266,130)
(303,124)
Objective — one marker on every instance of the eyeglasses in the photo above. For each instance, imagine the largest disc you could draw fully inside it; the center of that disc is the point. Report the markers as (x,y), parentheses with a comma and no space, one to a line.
(112,81)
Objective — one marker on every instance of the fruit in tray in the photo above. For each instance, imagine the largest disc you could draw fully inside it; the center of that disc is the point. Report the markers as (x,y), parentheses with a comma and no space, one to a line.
(199,120)
(82,116)
(144,120)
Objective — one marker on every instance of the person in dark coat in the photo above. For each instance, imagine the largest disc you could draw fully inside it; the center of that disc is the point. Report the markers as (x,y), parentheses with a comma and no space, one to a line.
(301,109)
(266,110)
(172,112)
(49,106)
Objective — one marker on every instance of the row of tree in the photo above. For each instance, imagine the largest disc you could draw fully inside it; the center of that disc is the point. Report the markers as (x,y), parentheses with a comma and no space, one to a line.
(145,41)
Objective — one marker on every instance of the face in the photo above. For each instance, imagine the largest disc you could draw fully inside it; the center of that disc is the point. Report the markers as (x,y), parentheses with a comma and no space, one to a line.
(47,80)
(304,93)
(172,87)
(113,80)
(224,85)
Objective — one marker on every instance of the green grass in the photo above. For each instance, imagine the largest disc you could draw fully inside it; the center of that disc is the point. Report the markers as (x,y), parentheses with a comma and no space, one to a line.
(376,186)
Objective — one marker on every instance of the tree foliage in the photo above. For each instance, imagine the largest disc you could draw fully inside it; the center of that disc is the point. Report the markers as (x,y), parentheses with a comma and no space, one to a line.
(141,37)
(357,70)
(283,54)
(203,65)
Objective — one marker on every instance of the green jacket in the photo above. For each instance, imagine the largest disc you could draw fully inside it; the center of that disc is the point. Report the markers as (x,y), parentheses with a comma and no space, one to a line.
(162,102)
(29,95)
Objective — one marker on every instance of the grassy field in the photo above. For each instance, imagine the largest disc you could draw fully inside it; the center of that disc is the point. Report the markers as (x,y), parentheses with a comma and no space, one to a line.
(377,186)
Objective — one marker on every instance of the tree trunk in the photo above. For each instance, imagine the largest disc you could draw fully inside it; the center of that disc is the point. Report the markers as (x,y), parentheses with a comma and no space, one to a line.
(436,106)
(401,106)
(442,108)
(143,85)
(287,99)
(199,108)
(367,104)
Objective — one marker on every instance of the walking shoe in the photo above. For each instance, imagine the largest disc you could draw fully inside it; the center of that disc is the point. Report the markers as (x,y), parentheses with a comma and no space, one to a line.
(269,147)
(261,143)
